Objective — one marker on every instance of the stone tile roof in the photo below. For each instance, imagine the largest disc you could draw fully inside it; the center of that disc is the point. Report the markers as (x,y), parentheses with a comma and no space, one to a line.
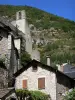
(4,92)
(5,24)
(36,63)
(71,74)
(69,70)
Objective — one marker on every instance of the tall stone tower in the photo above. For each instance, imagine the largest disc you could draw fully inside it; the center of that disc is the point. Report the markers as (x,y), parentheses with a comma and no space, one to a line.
(22,25)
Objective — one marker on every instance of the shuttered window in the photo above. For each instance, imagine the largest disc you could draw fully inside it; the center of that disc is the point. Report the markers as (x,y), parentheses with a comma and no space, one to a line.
(24,82)
(41,83)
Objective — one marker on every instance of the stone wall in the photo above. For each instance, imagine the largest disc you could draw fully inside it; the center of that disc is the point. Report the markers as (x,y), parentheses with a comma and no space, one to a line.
(3,78)
(3,45)
(32,81)
(64,83)
(12,59)
(8,52)
(23,26)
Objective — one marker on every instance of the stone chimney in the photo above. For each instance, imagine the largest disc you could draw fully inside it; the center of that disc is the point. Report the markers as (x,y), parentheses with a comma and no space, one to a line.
(48,60)
(62,67)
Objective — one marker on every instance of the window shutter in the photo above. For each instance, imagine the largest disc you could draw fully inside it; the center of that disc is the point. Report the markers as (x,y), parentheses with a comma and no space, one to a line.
(41,83)
(25,84)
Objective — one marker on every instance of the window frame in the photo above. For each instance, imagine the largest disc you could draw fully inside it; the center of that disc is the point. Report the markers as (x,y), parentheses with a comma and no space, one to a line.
(34,69)
(39,82)
(25,87)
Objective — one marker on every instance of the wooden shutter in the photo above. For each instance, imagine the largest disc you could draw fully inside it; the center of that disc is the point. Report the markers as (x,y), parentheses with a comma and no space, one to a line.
(41,83)
(25,84)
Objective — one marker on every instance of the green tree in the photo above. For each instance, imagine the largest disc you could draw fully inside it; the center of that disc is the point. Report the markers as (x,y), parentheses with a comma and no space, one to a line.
(70,95)
(25,58)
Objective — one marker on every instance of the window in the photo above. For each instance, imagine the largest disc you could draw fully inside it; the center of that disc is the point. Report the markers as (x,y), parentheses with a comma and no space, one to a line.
(24,84)
(41,83)
(19,15)
(34,68)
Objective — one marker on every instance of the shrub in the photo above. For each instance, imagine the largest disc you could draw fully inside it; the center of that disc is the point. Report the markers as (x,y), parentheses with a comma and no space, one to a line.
(25,58)
(31,95)
(70,95)
(37,95)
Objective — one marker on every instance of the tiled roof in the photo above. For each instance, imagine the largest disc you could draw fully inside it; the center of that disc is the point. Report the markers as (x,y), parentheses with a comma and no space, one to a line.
(69,70)
(70,74)
(4,92)
(35,63)
(5,24)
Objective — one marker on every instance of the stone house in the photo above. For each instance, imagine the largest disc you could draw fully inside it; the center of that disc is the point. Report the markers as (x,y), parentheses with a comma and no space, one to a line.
(10,45)
(37,76)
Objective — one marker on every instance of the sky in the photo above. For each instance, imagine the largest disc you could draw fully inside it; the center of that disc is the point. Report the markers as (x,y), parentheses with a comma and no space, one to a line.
(63,8)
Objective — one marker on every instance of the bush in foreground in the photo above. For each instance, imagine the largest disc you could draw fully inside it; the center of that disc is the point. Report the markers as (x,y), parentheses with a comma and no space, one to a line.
(70,95)
(31,95)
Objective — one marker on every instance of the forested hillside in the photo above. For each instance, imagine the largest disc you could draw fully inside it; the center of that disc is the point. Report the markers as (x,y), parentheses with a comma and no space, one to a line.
(56,33)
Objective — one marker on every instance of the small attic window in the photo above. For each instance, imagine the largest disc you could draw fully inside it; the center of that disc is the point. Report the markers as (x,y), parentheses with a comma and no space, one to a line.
(34,68)
(19,15)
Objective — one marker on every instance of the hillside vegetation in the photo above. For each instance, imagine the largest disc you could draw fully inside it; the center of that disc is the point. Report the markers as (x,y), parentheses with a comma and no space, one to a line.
(56,33)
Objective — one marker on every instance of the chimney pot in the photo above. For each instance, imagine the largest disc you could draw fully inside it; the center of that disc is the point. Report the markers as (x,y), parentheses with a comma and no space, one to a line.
(48,60)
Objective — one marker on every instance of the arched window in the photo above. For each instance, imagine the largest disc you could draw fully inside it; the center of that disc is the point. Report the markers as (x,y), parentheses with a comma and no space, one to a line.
(19,15)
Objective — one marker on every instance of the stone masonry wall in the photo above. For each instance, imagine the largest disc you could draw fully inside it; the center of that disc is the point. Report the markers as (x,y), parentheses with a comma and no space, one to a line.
(3,78)
(32,81)
(12,59)
(3,45)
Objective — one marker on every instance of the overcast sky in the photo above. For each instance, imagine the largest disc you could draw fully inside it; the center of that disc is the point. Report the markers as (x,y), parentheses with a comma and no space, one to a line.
(64,8)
